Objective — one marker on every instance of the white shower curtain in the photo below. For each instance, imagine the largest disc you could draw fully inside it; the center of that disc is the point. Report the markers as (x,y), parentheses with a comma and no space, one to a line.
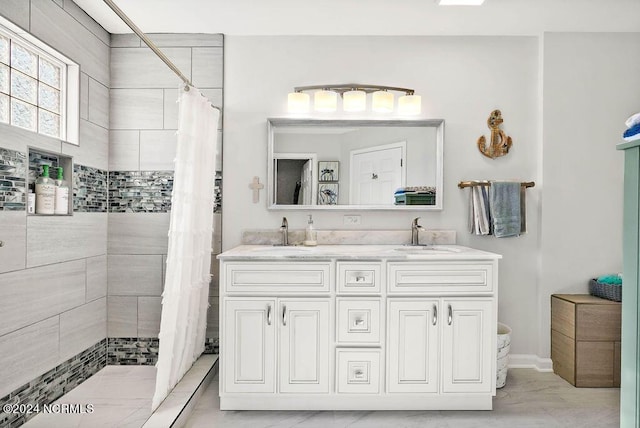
(186,289)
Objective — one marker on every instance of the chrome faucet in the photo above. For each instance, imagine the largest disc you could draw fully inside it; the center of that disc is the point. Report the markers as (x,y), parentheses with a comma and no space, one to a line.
(285,231)
(415,231)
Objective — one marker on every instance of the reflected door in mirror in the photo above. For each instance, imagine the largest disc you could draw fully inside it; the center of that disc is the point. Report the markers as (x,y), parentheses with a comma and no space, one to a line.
(376,173)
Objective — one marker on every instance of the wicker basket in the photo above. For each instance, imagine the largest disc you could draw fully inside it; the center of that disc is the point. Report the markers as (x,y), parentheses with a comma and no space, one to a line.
(606,291)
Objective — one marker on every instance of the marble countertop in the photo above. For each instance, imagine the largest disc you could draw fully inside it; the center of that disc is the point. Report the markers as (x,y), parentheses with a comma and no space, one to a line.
(357,252)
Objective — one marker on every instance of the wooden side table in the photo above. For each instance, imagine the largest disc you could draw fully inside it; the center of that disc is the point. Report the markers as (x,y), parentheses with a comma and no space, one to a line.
(585,340)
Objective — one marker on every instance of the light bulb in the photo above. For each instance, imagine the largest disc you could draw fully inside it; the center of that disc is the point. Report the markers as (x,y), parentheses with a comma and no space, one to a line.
(382,102)
(325,101)
(354,101)
(409,104)
(298,102)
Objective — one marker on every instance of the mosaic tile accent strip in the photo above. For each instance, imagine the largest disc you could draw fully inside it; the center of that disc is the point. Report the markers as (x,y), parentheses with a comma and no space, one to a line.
(217,193)
(132,351)
(13,187)
(50,386)
(148,191)
(140,191)
(90,194)
(212,345)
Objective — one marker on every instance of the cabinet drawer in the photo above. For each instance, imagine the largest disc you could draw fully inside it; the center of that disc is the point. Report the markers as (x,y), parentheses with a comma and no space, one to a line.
(270,277)
(362,278)
(598,322)
(412,278)
(358,320)
(358,371)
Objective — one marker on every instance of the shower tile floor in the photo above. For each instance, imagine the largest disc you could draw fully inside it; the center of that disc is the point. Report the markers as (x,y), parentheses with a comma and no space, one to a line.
(121,398)
(530,399)
(120,395)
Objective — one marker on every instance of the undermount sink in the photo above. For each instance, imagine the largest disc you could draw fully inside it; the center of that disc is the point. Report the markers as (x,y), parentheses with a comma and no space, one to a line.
(427,249)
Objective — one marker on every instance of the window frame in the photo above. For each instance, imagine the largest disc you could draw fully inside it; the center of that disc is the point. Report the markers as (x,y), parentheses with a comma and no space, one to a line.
(69,82)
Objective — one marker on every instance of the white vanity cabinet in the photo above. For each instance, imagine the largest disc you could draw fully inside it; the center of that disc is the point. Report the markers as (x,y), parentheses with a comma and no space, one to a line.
(269,336)
(468,342)
(330,329)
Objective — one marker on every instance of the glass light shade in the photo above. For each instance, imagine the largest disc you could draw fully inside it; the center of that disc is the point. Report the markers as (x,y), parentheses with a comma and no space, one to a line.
(298,102)
(382,102)
(354,101)
(325,101)
(409,104)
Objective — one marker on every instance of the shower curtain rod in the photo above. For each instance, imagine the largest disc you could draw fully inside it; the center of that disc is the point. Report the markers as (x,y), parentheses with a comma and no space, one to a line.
(151,45)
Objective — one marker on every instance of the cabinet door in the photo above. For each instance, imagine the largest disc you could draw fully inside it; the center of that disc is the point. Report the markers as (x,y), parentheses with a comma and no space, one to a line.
(469,342)
(249,345)
(304,345)
(413,345)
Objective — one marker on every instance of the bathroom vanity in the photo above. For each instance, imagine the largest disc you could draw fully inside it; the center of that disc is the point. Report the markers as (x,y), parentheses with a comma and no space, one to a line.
(357,327)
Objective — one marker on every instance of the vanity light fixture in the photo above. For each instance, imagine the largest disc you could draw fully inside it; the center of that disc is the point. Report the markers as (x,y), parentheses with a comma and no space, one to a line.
(354,99)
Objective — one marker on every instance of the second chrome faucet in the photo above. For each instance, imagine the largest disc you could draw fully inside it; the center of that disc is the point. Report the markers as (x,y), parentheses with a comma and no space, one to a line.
(285,231)
(415,231)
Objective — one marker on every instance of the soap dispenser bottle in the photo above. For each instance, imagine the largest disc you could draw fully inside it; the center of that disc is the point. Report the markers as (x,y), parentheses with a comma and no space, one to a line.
(62,194)
(310,239)
(45,193)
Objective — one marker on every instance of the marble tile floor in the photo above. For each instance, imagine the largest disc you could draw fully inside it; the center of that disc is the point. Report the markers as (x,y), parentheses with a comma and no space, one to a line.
(529,399)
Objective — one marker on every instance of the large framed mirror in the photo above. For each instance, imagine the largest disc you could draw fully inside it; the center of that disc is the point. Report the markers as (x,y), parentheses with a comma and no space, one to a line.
(334,164)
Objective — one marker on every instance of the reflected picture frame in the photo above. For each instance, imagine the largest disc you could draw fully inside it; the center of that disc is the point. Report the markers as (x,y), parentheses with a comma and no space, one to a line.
(328,194)
(328,171)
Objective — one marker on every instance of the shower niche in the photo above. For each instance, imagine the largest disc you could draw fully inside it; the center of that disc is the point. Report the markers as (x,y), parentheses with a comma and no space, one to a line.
(38,158)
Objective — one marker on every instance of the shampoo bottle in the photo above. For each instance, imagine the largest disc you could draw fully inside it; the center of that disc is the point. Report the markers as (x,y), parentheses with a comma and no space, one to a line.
(62,194)
(310,234)
(45,193)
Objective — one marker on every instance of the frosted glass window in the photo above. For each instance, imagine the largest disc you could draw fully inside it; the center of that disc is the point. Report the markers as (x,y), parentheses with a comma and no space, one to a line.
(24,60)
(23,115)
(49,98)
(24,87)
(4,50)
(48,123)
(39,87)
(49,73)
(4,108)
(4,79)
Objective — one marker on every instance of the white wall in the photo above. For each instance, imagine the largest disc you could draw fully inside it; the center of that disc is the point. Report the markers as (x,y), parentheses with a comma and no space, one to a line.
(590,88)
(461,79)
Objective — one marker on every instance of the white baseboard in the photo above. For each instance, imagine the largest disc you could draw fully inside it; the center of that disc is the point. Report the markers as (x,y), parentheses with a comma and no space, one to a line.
(530,361)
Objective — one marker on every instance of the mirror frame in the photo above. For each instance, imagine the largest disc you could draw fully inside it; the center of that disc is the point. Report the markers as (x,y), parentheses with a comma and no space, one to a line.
(427,123)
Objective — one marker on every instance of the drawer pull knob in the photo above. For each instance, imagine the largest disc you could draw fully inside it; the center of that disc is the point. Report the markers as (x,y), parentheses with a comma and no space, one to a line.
(435,315)
(1,243)
(360,278)
(359,321)
(359,373)
(269,315)
(450,318)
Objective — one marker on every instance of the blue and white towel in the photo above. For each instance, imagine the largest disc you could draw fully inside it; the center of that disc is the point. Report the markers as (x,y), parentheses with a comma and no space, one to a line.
(633,120)
(633,133)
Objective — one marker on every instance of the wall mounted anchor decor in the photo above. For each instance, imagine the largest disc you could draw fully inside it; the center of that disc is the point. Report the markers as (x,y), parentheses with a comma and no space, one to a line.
(500,142)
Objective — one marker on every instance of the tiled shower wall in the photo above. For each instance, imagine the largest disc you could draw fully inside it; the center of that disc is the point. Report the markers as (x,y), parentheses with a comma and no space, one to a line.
(143,123)
(53,270)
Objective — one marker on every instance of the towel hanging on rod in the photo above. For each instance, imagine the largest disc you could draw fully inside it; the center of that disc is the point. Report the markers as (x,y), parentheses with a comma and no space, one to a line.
(464,184)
